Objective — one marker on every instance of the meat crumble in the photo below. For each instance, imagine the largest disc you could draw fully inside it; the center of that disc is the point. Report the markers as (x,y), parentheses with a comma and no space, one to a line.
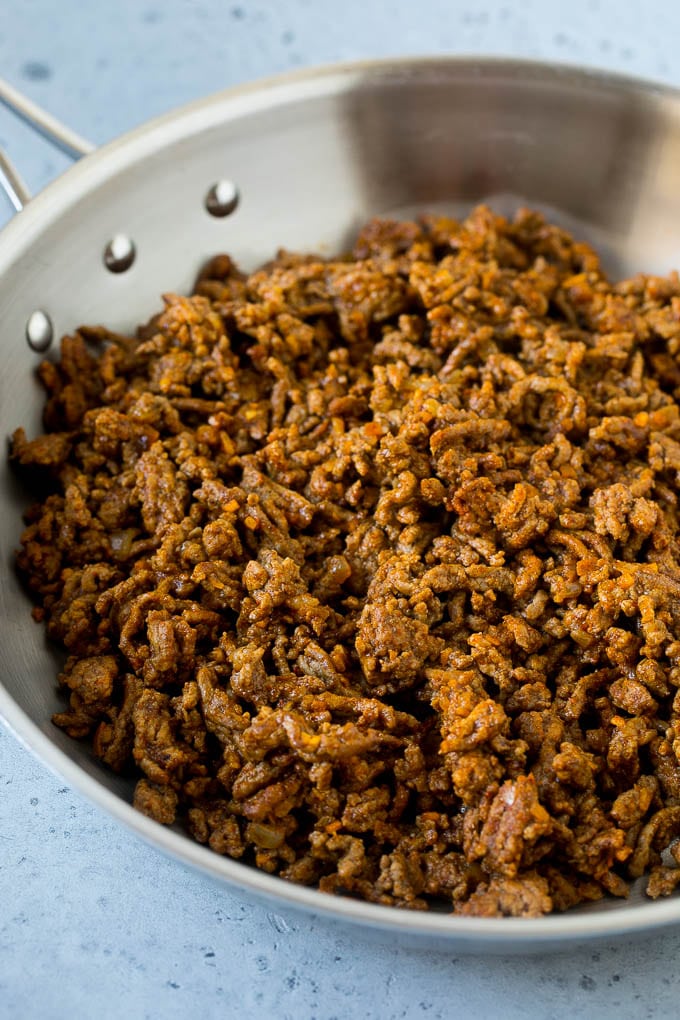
(367,568)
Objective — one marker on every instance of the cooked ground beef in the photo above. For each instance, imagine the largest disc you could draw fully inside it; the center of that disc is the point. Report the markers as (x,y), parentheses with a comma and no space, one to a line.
(367,568)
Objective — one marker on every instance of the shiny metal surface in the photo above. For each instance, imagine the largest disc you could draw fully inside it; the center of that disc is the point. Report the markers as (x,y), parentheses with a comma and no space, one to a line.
(222,198)
(311,156)
(119,254)
(59,134)
(48,126)
(39,331)
(12,183)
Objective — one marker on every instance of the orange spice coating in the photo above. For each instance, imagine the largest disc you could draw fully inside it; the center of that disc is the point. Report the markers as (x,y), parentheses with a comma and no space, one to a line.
(367,568)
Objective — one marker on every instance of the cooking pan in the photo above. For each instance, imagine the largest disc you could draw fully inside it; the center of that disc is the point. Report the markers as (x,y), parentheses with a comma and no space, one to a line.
(300,161)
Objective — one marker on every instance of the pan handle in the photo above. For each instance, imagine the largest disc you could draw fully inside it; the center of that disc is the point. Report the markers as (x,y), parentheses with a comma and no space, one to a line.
(46,125)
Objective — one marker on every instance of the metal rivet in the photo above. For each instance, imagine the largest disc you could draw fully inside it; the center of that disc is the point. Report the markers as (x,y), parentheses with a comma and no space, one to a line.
(39,331)
(222,198)
(119,253)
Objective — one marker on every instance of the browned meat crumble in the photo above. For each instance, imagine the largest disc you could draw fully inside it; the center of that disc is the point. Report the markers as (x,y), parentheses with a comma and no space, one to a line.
(367,568)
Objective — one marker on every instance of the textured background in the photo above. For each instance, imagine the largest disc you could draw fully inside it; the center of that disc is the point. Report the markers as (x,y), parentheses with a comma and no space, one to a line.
(92,922)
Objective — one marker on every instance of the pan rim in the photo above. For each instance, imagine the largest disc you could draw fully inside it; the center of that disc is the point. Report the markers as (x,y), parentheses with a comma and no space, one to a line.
(26,227)
(251,96)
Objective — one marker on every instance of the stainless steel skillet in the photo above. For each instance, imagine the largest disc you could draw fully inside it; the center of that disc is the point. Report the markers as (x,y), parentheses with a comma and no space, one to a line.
(302,160)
